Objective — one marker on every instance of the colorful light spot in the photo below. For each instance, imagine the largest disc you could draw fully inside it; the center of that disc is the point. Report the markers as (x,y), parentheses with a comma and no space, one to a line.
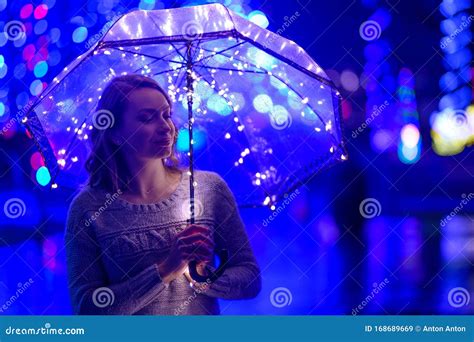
(259,18)
(263,103)
(41,69)
(410,135)
(3,70)
(2,109)
(408,155)
(36,87)
(41,26)
(42,176)
(199,140)
(26,11)
(41,11)
(219,105)
(54,35)
(29,52)
(79,34)
(36,161)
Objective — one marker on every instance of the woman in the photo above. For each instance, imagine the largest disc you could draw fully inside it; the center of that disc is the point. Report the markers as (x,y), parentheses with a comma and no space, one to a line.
(128,243)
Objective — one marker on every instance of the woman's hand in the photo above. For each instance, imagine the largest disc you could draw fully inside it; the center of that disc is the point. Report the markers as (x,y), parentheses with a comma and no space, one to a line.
(193,243)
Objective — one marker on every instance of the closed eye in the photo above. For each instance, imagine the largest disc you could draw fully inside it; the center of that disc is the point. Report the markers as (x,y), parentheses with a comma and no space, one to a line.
(149,115)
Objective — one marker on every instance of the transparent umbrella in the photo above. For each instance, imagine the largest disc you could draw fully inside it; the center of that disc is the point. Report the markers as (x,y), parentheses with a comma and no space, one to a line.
(249,104)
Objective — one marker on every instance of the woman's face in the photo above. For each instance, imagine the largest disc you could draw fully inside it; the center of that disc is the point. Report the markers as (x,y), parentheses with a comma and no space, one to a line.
(146,129)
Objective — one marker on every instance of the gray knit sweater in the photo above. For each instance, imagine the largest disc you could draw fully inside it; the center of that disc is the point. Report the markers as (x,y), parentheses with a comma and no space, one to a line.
(113,248)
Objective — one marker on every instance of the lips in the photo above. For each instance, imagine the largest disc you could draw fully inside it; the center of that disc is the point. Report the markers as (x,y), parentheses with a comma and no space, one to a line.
(163,142)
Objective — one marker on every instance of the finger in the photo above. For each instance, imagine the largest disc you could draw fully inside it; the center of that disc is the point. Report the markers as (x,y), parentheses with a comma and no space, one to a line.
(196,238)
(198,258)
(200,252)
(194,228)
(196,249)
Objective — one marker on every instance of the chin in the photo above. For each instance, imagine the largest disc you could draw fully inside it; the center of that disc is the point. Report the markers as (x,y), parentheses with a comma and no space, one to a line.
(162,153)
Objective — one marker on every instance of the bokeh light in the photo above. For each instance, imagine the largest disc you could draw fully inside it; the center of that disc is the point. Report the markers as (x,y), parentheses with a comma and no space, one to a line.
(42,176)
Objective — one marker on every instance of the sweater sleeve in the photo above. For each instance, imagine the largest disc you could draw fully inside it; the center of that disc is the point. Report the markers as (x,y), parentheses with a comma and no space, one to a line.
(90,291)
(241,278)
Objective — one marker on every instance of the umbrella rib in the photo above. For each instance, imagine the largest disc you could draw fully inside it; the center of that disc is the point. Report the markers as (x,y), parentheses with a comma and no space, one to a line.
(169,70)
(266,72)
(291,88)
(218,52)
(174,47)
(238,70)
(163,58)
(233,110)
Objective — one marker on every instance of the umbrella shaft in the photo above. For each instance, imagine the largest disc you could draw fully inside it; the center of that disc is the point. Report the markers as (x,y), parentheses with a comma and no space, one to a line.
(189,84)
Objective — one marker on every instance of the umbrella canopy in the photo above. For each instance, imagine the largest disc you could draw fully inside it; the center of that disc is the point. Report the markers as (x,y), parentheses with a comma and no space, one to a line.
(263,114)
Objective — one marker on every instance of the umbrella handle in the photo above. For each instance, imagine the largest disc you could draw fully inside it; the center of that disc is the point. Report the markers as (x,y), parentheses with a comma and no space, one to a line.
(223,258)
